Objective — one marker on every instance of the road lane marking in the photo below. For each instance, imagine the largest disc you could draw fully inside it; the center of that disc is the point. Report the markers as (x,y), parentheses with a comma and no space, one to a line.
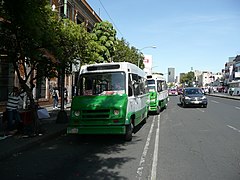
(145,150)
(155,153)
(215,101)
(235,129)
(237,107)
(200,110)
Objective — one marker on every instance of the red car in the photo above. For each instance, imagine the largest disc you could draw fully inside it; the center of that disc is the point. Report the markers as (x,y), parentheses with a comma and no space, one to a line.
(172,92)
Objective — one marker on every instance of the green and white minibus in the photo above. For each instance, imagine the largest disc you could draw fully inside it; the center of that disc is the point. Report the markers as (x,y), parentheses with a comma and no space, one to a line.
(158,92)
(112,99)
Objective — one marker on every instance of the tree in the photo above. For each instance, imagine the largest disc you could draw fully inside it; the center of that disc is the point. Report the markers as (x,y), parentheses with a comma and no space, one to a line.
(125,53)
(188,78)
(103,42)
(24,33)
(37,44)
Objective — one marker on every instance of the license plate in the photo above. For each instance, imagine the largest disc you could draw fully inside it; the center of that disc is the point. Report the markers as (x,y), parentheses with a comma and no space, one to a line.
(73,131)
(196,102)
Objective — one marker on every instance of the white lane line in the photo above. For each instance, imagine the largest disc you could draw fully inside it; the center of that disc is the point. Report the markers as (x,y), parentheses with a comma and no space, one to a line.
(235,129)
(155,154)
(237,107)
(145,150)
(200,110)
(215,101)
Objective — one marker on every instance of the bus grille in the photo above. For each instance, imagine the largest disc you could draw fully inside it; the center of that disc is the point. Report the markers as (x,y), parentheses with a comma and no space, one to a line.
(96,114)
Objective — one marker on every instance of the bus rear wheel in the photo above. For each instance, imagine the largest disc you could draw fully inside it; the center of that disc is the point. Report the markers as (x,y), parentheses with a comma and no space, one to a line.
(129,131)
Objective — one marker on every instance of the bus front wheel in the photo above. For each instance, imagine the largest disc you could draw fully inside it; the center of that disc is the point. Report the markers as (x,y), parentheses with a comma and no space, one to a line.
(129,131)
(158,110)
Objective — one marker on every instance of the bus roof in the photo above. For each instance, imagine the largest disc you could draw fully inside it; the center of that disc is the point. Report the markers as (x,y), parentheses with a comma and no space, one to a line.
(112,67)
(157,76)
(234,82)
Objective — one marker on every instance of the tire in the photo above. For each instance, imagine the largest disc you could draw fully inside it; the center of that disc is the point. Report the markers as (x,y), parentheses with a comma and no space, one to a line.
(204,106)
(129,131)
(158,110)
(184,105)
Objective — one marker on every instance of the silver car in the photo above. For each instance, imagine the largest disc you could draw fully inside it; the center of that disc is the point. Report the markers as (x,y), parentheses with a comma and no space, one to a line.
(193,96)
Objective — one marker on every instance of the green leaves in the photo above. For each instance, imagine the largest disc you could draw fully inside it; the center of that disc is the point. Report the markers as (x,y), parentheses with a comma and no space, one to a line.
(188,78)
(104,36)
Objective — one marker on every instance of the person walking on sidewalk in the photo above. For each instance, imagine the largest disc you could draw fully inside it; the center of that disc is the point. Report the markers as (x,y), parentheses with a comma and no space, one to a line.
(65,96)
(12,109)
(55,96)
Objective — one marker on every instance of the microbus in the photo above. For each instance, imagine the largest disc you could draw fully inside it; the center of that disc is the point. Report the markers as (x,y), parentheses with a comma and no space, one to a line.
(112,98)
(158,92)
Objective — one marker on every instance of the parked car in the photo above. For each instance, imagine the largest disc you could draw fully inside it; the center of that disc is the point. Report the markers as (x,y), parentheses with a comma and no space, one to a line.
(172,92)
(193,96)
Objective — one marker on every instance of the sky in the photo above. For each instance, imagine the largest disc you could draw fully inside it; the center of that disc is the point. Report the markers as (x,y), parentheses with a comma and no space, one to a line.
(188,34)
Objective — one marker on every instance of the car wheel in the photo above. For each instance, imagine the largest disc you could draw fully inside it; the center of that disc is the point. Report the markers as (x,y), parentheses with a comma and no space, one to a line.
(184,104)
(205,106)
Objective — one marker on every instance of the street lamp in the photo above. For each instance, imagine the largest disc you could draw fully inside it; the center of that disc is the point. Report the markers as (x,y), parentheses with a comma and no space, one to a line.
(145,48)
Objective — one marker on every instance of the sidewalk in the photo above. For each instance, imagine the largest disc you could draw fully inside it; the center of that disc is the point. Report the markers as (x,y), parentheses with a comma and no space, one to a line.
(13,145)
(224,95)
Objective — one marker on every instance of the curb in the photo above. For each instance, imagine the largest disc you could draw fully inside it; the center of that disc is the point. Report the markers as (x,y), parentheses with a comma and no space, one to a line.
(224,96)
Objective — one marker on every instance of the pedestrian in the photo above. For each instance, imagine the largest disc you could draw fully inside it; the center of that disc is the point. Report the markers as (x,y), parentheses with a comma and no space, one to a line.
(55,96)
(65,96)
(12,110)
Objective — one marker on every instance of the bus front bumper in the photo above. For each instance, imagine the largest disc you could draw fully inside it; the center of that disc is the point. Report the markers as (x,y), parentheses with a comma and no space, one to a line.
(97,130)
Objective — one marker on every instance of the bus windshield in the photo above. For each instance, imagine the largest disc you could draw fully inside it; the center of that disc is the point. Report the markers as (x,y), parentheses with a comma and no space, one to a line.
(102,83)
(151,85)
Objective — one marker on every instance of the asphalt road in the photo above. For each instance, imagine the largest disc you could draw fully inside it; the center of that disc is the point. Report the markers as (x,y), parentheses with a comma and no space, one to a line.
(179,144)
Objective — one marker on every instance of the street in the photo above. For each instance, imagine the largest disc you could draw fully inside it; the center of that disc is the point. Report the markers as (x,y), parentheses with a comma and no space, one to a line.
(178,144)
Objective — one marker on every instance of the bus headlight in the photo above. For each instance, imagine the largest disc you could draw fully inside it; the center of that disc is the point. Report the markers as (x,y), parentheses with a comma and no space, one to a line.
(152,100)
(77,113)
(116,112)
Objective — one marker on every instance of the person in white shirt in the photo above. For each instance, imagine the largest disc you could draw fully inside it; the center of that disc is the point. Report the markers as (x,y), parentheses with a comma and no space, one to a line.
(55,96)
(12,109)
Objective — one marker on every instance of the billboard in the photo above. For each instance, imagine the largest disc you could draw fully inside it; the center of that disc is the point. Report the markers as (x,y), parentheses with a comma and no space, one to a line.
(148,62)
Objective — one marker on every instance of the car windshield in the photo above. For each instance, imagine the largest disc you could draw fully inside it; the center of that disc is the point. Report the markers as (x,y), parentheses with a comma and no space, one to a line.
(193,91)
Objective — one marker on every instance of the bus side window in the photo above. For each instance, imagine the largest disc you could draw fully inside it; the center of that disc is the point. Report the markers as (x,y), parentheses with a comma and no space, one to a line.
(130,89)
(136,83)
(142,86)
(159,86)
(130,93)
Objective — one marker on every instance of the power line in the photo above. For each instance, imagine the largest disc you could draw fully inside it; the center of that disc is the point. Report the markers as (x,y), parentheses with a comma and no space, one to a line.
(110,18)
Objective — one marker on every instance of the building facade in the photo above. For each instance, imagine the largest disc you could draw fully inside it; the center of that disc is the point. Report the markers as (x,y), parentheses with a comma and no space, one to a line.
(171,75)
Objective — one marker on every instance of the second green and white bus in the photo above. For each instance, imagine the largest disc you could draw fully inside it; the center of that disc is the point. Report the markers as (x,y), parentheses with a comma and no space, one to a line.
(158,92)
(112,99)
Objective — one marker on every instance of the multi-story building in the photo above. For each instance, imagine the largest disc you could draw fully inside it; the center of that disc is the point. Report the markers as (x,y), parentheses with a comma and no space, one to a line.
(228,71)
(207,78)
(171,75)
(236,68)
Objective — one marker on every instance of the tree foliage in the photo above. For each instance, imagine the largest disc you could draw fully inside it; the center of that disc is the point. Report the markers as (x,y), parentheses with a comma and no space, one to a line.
(125,53)
(25,32)
(71,44)
(188,78)
(36,40)
(103,42)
